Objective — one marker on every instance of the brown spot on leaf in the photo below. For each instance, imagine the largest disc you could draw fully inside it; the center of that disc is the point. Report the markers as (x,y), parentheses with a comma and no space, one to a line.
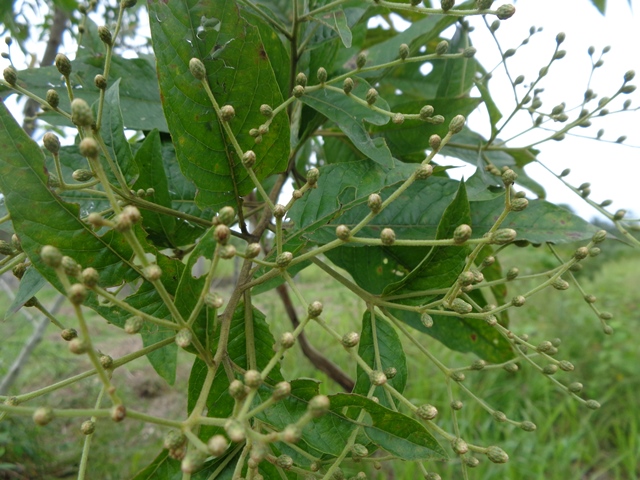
(262,54)
(474,337)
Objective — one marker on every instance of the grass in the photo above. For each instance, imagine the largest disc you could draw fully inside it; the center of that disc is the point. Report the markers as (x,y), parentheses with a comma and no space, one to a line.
(571,442)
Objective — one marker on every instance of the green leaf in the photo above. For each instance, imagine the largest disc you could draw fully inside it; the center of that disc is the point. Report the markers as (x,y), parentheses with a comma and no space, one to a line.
(394,432)
(385,340)
(601,5)
(442,265)
(23,182)
(350,117)
(139,95)
(343,28)
(112,132)
(148,158)
(30,284)
(240,74)
(219,402)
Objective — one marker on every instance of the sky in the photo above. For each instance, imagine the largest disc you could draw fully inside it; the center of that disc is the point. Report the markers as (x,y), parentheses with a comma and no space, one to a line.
(611,168)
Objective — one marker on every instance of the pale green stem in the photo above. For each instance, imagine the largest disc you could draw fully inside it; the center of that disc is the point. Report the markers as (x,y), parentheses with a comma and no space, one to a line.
(250,340)
(134,311)
(93,356)
(201,403)
(205,289)
(84,459)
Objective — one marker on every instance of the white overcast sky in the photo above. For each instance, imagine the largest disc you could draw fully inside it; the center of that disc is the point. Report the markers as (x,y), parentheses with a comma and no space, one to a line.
(612,169)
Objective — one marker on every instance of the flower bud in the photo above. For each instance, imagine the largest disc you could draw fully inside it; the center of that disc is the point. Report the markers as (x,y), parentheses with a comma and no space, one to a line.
(461,234)
(213,300)
(70,267)
(322,75)
(10,75)
(592,404)
(81,113)
(509,177)
(442,47)
(619,215)
(234,430)
(118,413)
(460,306)
(435,142)
(347,85)
(575,387)
(361,60)
(82,175)
(249,158)
(581,253)
(252,250)
(497,455)
(372,96)
(560,284)
(315,309)
(287,340)
(285,462)
(88,147)
(404,51)
(447,4)
(281,391)
(627,89)
(88,427)
(63,64)
(196,67)
(78,346)
(503,236)
(217,445)
(505,11)
(424,171)
(388,236)
(312,176)
(298,91)
(350,339)
(550,369)
(68,334)
(518,301)
(301,79)
(184,337)
(427,412)
(343,232)
(469,52)
(252,379)
(519,204)
(51,142)
(227,112)
(426,320)
(173,440)
(77,293)
(459,446)
(266,110)
(53,99)
(105,35)
(222,234)
(456,124)
(377,378)
(398,118)
(152,273)
(374,202)
(42,416)
(128,3)
(318,405)
(100,82)
(106,361)
(133,325)
(284,259)
(499,416)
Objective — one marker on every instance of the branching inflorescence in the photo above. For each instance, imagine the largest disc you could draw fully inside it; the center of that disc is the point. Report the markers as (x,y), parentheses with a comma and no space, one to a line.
(419,249)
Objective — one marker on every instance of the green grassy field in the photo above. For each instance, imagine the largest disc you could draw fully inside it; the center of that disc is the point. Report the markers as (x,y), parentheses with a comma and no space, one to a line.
(571,442)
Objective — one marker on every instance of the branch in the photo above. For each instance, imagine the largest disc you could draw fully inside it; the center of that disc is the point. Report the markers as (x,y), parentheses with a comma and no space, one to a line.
(317,359)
